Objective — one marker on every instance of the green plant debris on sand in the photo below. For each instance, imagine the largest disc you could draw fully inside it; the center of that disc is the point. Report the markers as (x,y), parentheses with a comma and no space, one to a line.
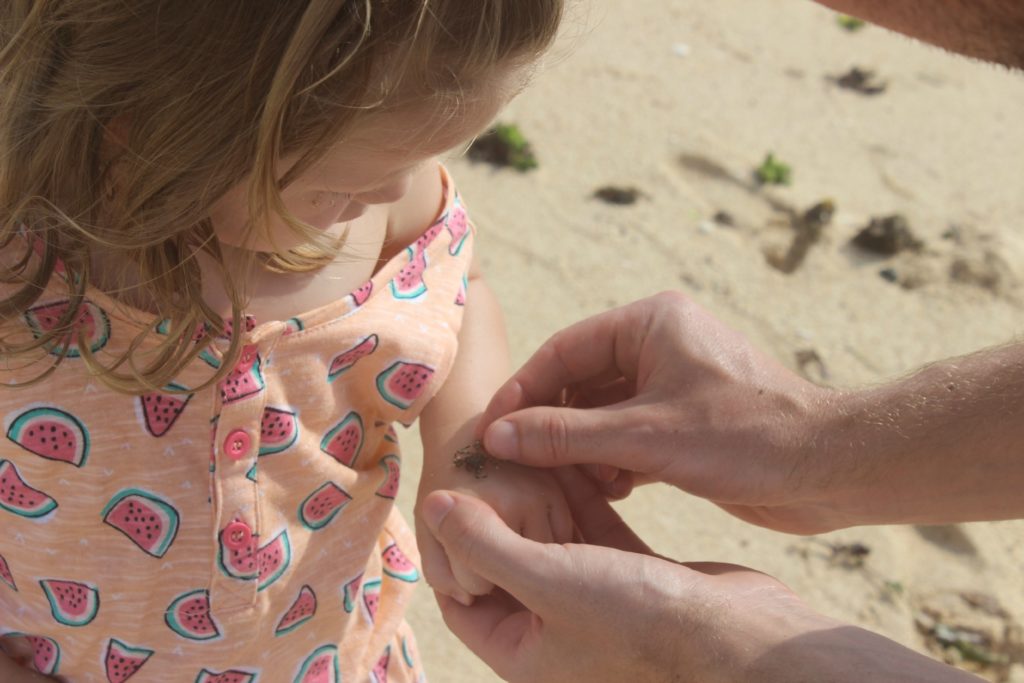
(504,145)
(971,645)
(773,172)
(849,23)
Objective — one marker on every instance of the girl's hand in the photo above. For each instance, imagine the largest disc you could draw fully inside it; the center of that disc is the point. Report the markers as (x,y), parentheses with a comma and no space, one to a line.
(529,501)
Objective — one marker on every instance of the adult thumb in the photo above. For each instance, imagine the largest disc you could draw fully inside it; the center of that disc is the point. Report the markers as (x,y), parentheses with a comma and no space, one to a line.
(472,534)
(553,437)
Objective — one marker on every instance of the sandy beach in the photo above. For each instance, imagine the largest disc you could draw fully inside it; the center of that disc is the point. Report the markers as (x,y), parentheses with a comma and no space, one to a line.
(682,100)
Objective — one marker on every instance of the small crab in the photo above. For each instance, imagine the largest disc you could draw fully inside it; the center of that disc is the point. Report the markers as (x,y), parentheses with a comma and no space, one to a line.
(473,458)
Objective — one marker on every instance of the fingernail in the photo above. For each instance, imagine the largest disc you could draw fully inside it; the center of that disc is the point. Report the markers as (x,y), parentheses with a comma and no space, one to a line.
(435,509)
(464,599)
(502,440)
(620,488)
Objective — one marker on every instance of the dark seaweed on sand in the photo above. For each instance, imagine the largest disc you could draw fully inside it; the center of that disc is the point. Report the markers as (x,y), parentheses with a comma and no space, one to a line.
(622,196)
(861,81)
(504,145)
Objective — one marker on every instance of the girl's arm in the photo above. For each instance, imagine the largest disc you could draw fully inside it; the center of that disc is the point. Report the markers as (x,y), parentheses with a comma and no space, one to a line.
(481,365)
(528,500)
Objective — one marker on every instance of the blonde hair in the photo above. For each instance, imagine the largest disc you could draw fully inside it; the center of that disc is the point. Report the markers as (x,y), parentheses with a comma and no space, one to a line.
(195,96)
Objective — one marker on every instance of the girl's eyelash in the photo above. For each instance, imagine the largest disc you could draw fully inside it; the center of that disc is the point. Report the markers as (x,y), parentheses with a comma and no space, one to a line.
(330,198)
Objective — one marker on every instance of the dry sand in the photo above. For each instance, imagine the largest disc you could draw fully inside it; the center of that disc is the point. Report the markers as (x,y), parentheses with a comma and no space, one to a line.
(682,99)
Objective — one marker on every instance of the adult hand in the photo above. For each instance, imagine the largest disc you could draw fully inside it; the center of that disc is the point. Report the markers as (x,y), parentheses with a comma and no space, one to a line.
(663,389)
(616,612)
(673,394)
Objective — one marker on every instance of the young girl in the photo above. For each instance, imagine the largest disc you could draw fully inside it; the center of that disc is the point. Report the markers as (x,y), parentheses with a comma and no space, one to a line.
(230,263)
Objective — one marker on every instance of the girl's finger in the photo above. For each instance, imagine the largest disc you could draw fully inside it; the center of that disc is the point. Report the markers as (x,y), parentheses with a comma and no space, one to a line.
(437,570)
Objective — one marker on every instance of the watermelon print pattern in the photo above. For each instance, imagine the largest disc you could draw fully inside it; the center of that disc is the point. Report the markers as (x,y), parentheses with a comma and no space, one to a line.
(350,592)
(5,574)
(279,431)
(91,323)
(344,441)
(18,497)
(361,295)
(379,674)
(123,661)
(245,379)
(45,653)
(347,359)
(397,565)
(51,433)
(189,616)
(72,603)
(248,321)
(159,411)
(460,296)
(392,466)
(404,382)
(425,240)
(371,600)
(457,225)
(408,284)
(200,335)
(149,521)
(301,611)
(153,486)
(407,653)
(321,666)
(323,505)
(273,560)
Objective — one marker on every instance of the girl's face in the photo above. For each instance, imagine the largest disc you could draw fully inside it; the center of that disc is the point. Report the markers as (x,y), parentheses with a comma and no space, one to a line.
(374,165)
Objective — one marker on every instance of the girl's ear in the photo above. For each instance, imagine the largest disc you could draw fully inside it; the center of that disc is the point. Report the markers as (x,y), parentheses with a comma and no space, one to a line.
(115,137)
(115,141)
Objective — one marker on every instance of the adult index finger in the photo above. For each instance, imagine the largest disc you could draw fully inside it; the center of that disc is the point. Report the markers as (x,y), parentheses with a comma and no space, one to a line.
(599,349)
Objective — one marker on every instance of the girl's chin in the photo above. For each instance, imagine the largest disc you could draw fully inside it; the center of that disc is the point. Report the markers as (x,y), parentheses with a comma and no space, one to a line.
(289,240)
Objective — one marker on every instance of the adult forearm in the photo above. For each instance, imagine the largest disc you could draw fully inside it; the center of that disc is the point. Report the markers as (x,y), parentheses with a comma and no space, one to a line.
(848,654)
(985,29)
(943,445)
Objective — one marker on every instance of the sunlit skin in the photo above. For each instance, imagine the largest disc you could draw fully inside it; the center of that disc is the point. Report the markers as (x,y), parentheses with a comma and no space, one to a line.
(378,188)
(376,164)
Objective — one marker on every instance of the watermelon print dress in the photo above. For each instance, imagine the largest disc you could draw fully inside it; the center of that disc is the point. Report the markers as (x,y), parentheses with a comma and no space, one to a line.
(244,533)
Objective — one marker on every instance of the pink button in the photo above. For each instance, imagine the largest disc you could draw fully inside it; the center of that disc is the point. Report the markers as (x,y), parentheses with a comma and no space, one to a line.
(237,535)
(236,445)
